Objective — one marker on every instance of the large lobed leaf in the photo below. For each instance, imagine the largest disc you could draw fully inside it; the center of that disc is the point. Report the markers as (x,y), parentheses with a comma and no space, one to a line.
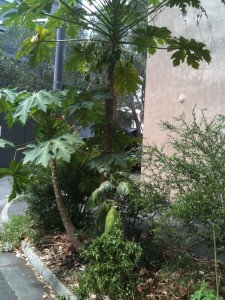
(25,12)
(4,143)
(105,163)
(149,38)
(35,48)
(191,50)
(126,78)
(61,147)
(20,176)
(183,5)
(39,100)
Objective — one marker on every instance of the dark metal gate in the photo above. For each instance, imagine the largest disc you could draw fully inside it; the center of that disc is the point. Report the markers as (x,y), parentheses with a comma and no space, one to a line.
(19,135)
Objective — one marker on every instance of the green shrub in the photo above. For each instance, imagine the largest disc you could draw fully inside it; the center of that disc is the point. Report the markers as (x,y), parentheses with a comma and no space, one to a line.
(204,293)
(42,206)
(193,174)
(41,198)
(15,230)
(110,271)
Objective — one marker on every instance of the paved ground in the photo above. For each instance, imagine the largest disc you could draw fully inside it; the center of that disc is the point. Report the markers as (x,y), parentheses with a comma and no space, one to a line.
(17,279)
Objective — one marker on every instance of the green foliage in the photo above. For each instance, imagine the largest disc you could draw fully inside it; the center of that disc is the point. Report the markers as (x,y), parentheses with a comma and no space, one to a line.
(110,271)
(184,4)
(126,78)
(41,198)
(41,100)
(35,48)
(111,220)
(56,142)
(16,229)
(194,174)
(190,50)
(108,163)
(60,148)
(150,37)
(184,49)
(4,143)
(87,106)
(104,197)
(20,177)
(111,25)
(41,204)
(204,293)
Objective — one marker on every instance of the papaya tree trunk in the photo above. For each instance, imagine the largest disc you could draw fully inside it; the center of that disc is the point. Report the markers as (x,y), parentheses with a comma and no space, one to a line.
(110,109)
(68,225)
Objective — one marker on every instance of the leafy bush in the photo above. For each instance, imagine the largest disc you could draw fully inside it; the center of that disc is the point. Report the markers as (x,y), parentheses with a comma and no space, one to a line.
(204,293)
(111,268)
(193,174)
(16,229)
(41,198)
(42,206)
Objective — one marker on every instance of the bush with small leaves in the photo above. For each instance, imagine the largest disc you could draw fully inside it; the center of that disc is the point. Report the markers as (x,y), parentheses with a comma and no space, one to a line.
(111,268)
(205,293)
(15,230)
(193,174)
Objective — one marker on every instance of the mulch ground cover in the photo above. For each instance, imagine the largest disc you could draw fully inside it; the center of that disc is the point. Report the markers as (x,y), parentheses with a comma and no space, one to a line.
(65,263)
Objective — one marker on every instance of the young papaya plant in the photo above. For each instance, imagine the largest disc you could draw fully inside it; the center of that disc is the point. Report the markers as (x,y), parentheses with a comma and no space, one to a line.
(106,196)
(55,140)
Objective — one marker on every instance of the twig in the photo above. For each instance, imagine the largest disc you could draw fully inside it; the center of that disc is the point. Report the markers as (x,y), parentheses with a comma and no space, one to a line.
(216,267)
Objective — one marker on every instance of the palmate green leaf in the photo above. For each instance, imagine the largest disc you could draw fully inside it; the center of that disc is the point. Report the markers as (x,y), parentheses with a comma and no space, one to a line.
(105,163)
(25,12)
(25,48)
(184,4)
(8,95)
(88,107)
(149,38)
(20,176)
(35,48)
(7,98)
(42,5)
(39,100)
(59,148)
(76,60)
(191,50)
(4,143)
(126,78)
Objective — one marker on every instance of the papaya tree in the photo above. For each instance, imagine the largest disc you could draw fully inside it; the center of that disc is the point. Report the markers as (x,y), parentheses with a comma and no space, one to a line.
(55,141)
(111,26)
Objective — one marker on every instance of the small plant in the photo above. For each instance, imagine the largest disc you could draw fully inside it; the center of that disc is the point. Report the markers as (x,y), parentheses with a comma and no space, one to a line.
(15,230)
(204,293)
(111,268)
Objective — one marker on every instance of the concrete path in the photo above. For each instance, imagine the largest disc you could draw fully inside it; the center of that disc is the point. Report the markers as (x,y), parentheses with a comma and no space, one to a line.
(17,280)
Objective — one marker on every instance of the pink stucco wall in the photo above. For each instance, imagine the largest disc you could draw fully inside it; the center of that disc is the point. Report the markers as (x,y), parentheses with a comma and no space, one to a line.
(171,91)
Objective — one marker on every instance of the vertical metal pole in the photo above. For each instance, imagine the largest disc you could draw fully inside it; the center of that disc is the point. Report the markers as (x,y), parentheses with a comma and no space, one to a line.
(59,60)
